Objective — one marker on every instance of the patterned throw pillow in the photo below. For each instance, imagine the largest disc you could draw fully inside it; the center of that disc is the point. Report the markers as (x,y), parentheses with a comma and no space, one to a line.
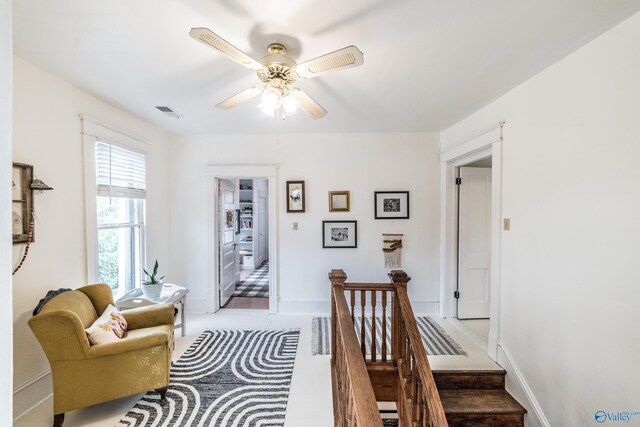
(109,327)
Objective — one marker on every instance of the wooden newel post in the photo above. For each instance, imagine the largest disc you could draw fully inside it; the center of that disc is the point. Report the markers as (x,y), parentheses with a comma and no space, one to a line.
(337,278)
(399,279)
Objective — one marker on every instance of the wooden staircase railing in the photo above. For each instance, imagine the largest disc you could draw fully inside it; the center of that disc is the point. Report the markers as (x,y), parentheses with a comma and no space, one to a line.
(354,403)
(404,376)
(418,398)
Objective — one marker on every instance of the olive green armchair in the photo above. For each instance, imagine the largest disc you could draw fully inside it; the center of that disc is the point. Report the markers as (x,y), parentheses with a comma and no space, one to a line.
(85,374)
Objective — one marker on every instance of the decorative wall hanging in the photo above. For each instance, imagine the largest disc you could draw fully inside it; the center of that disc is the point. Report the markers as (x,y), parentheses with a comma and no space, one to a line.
(23,184)
(392,248)
(339,201)
(295,196)
(391,204)
(21,202)
(339,234)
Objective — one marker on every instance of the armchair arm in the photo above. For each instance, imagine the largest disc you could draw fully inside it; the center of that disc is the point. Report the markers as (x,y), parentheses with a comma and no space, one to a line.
(60,327)
(153,315)
(128,344)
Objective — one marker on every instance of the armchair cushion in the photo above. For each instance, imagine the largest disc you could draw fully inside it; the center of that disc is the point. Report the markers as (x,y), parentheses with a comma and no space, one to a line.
(109,327)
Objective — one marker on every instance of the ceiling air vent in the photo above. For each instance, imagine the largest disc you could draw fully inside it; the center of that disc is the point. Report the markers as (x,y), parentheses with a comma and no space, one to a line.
(169,112)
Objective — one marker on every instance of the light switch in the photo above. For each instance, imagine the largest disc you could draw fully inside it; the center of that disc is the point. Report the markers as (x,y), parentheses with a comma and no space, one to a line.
(507,224)
(295,226)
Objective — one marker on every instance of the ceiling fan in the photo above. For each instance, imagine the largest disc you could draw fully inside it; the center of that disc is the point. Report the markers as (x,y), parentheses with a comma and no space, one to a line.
(279,73)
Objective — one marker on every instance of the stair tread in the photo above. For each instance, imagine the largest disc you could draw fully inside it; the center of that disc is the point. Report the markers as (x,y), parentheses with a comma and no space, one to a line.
(468,379)
(479,402)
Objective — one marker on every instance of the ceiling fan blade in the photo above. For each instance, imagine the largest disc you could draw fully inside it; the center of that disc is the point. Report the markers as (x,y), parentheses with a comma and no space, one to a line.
(308,104)
(339,60)
(211,39)
(243,96)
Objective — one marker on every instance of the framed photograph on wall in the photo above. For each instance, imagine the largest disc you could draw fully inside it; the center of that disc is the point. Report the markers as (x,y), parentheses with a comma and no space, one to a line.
(339,201)
(391,204)
(339,234)
(295,196)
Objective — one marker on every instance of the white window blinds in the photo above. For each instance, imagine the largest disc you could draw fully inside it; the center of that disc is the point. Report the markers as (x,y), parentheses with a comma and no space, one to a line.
(120,172)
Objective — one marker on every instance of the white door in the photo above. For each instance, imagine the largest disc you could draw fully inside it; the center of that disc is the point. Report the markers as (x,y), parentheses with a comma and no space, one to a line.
(474,243)
(262,228)
(227,253)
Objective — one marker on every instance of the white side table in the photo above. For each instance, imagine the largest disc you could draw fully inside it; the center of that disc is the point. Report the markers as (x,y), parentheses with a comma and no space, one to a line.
(171,294)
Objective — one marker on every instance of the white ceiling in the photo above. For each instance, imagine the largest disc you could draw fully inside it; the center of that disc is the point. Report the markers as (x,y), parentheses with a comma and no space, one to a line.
(427,63)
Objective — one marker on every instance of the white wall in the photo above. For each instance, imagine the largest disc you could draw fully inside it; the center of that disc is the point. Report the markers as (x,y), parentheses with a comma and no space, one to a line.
(6,331)
(360,163)
(571,179)
(47,135)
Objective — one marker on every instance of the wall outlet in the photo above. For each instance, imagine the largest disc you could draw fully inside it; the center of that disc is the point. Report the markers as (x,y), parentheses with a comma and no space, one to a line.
(507,224)
(295,226)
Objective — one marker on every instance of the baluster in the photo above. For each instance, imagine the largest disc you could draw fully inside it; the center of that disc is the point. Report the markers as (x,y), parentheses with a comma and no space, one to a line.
(363,302)
(384,326)
(406,362)
(414,388)
(353,305)
(419,399)
(373,326)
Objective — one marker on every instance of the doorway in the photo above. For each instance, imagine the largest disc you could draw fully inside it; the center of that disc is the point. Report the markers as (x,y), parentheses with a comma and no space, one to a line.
(243,252)
(473,293)
(487,144)
(242,249)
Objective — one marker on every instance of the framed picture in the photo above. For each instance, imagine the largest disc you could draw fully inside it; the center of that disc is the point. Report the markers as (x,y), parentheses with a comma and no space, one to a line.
(295,196)
(339,201)
(339,234)
(391,204)
(21,202)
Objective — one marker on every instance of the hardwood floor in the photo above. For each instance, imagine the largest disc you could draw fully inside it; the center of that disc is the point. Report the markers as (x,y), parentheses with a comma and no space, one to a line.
(248,302)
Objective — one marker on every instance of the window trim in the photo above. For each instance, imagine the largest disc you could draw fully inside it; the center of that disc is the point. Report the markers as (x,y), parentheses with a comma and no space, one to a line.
(92,130)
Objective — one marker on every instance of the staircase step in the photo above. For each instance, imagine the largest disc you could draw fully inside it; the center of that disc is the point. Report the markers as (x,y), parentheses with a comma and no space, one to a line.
(481,408)
(477,380)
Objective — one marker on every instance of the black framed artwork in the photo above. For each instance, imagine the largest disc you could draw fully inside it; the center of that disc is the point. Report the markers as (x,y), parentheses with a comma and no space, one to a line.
(339,234)
(391,204)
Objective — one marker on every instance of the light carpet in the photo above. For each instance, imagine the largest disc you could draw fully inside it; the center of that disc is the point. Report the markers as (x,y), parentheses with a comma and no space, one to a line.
(226,378)
(436,341)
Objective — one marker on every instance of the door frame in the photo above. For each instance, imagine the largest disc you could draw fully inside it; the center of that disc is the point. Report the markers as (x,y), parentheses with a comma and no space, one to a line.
(213,174)
(486,144)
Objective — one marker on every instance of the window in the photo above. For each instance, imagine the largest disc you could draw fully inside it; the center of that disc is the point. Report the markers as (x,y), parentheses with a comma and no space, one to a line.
(120,193)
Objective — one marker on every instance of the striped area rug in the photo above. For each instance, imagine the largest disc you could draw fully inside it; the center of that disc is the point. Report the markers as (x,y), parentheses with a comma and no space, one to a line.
(436,341)
(256,284)
(226,378)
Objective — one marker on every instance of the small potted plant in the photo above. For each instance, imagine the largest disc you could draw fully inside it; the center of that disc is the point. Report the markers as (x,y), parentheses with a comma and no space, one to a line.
(152,288)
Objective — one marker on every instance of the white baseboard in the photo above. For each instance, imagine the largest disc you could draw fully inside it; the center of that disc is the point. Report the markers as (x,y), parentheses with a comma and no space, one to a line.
(31,394)
(323,307)
(517,385)
(317,307)
(425,308)
(198,306)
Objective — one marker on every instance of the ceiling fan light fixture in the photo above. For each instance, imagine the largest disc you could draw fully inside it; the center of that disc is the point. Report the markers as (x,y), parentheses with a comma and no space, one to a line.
(268,111)
(279,73)
(271,98)
(290,105)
